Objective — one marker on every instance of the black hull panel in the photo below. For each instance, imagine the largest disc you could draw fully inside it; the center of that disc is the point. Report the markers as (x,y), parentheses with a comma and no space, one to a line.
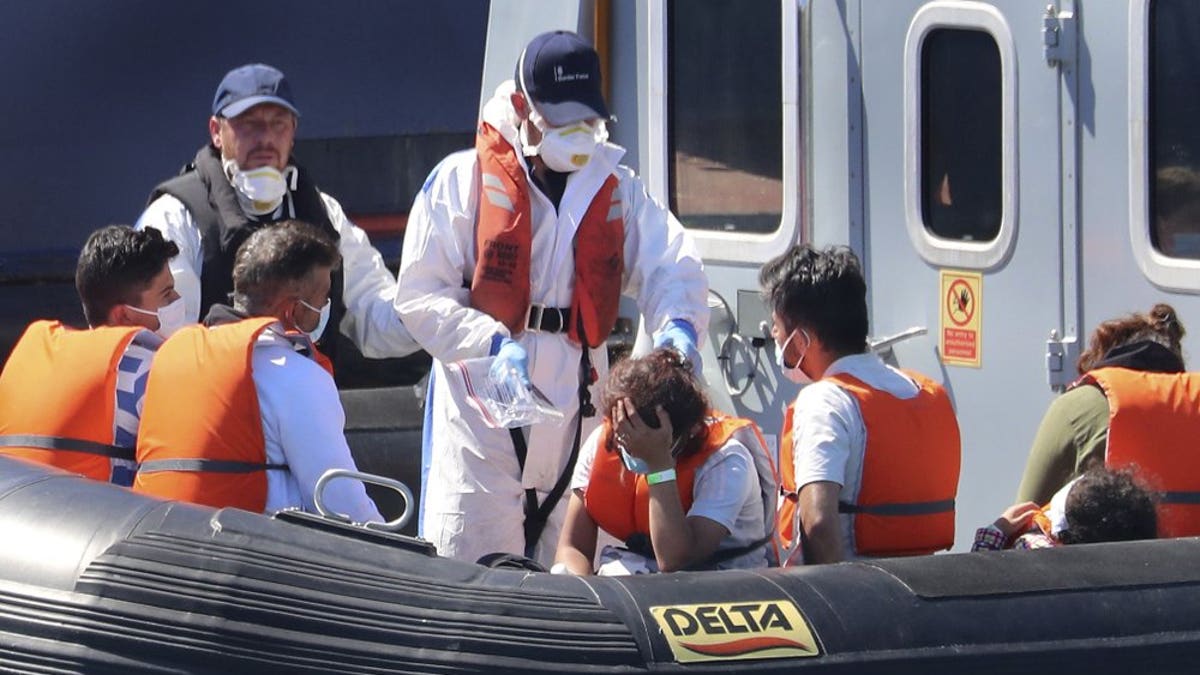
(97,579)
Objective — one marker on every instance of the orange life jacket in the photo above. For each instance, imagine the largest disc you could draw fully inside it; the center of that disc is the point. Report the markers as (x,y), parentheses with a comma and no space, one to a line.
(58,397)
(201,438)
(503,239)
(909,475)
(1154,422)
(619,500)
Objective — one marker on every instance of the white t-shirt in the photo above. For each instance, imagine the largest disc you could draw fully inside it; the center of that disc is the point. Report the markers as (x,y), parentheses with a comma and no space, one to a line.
(829,437)
(303,425)
(726,491)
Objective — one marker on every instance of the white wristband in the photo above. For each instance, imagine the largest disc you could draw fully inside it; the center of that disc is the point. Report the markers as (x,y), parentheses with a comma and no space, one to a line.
(664,476)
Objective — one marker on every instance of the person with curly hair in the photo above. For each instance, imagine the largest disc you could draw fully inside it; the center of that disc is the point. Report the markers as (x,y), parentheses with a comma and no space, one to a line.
(682,486)
(1102,505)
(1074,431)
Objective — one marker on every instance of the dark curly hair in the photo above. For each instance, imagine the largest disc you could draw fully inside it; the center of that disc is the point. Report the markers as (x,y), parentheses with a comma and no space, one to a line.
(275,259)
(1161,324)
(1109,505)
(665,378)
(116,264)
(822,290)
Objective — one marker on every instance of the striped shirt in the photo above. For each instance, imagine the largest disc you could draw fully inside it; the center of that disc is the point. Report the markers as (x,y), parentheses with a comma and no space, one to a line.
(132,372)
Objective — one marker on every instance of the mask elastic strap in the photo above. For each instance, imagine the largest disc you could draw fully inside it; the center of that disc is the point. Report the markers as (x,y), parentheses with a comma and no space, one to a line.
(139,310)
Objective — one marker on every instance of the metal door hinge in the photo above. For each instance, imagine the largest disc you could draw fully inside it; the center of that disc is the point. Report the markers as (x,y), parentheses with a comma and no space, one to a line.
(1061,357)
(1058,34)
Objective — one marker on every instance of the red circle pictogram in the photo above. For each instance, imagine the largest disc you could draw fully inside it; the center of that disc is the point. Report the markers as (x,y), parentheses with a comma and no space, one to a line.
(960,303)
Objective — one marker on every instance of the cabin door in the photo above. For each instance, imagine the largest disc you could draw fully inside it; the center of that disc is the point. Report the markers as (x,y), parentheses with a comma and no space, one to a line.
(965,130)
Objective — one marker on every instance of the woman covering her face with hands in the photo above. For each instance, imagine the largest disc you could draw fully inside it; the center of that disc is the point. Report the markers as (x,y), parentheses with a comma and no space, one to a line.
(679,484)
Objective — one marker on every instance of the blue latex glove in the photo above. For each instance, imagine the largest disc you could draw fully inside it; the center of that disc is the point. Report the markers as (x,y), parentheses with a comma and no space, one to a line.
(510,355)
(681,336)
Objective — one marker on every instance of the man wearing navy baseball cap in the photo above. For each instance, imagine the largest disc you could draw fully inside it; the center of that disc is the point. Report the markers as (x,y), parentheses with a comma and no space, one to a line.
(549,230)
(245,178)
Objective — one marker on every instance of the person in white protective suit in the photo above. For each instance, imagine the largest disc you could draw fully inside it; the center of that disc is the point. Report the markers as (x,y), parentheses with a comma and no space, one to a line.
(564,230)
(244,178)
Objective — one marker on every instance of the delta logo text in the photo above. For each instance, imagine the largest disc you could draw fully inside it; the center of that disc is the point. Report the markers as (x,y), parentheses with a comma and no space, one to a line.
(772,629)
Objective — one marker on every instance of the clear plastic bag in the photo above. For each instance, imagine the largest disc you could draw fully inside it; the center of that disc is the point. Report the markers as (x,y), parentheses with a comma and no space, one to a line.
(505,403)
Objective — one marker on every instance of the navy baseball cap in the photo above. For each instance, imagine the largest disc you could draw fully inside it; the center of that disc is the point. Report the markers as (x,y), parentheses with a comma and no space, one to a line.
(252,84)
(561,73)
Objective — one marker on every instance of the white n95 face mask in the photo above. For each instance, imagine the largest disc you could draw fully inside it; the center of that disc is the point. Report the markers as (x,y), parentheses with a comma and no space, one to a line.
(564,149)
(171,317)
(315,334)
(264,186)
(793,373)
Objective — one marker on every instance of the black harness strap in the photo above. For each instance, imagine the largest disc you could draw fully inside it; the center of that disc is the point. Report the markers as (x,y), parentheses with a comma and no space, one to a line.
(723,555)
(537,515)
(640,543)
(68,444)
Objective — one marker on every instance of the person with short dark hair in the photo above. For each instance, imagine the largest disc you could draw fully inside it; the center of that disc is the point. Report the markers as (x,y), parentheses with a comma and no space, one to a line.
(246,177)
(122,280)
(241,412)
(1132,404)
(680,485)
(73,398)
(869,456)
(1101,505)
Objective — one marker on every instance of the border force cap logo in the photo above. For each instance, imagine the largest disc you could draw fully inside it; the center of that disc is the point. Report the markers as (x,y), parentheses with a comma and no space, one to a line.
(770,629)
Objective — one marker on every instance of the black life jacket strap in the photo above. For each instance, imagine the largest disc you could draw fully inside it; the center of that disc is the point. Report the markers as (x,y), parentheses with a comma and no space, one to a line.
(207,465)
(67,444)
(908,509)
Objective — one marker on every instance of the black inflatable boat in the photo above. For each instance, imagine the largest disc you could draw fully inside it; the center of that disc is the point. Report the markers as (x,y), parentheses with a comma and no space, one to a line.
(96,579)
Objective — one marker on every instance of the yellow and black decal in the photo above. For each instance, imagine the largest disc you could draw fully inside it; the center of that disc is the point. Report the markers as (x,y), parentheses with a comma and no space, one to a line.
(770,629)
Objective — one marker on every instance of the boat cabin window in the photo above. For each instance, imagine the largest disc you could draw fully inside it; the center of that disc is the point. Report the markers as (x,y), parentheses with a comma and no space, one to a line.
(961,135)
(725,119)
(1174,133)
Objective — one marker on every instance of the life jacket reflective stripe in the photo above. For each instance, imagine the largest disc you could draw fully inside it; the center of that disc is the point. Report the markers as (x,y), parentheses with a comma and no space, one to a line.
(58,397)
(504,236)
(1154,423)
(909,475)
(618,500)
(201,437)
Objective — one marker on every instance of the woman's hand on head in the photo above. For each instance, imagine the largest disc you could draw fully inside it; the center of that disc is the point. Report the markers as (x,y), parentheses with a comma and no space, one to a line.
(1016,518)
(640,439)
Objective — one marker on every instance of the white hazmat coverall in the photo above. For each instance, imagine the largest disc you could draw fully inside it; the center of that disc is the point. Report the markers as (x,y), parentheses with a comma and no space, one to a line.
(473,500)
